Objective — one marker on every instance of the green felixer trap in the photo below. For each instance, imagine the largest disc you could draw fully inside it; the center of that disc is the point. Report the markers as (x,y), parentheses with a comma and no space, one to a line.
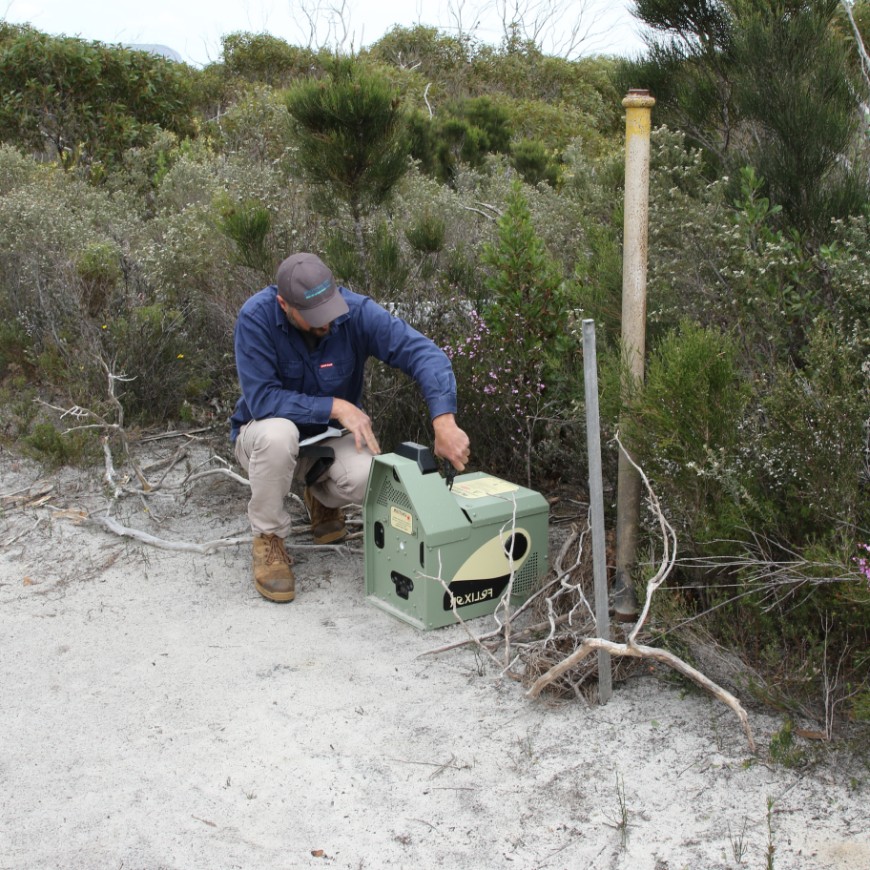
(480,538)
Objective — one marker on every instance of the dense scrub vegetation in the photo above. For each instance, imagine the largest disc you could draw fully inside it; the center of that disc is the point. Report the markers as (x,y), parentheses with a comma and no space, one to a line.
(478,191)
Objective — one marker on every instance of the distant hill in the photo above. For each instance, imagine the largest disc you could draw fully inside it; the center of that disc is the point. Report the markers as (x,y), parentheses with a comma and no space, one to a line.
(159,50)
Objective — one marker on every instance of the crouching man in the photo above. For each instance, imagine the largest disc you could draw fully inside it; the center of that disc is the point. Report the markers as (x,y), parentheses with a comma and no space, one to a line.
(301,347)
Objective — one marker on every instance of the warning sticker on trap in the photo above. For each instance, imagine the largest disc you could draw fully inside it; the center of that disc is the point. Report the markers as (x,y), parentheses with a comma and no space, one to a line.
(402,520)
(483,487)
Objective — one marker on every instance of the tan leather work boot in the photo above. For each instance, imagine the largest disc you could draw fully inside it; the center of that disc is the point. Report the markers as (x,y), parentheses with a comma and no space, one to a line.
(273,576)
(327,524)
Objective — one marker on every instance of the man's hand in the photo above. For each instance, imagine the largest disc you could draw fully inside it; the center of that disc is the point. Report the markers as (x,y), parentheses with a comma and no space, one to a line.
(451,443)
(356,420)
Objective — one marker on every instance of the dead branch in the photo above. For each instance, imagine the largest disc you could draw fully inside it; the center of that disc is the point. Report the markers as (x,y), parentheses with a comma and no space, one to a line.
(562,25)
(110,475)
(21,534)
(117,528)
(177,433)
(112,525)
(31,495)
(635,650)
(491,213)
(116,428)
(863,57)
(631,647)
(505,605)
(223,472)
(565,605)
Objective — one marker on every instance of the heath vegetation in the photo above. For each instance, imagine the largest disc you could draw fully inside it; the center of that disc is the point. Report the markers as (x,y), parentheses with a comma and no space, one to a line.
(477,190)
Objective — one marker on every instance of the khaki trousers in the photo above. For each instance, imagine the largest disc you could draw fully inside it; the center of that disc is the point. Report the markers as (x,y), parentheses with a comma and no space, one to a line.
(268,450)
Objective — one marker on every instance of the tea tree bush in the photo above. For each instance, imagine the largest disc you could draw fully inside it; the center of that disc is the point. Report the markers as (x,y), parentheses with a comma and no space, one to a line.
(84,103)
(15,169)
(785,491)
(255,126)
(844,269)
(263,58)
(726,263)
(685,427)
(810,441)
(76,295)
(49,222)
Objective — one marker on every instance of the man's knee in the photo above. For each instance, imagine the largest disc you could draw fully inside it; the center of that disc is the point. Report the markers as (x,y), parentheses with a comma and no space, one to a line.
(274,442)
(277,432)
(352,476)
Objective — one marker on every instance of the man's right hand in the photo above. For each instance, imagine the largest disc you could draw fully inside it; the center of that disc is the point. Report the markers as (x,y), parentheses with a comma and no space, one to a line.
(356,420)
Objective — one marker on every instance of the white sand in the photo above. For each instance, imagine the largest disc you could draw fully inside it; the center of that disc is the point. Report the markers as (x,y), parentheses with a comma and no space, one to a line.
(155,712)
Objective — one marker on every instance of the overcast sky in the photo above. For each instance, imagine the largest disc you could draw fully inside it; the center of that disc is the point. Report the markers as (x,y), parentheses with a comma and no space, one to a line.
(193,28)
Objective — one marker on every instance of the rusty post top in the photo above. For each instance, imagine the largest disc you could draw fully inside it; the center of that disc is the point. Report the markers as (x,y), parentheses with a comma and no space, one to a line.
(638,98)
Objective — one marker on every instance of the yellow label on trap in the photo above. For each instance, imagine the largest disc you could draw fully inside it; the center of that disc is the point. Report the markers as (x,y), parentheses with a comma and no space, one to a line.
(402,520)
(483,487)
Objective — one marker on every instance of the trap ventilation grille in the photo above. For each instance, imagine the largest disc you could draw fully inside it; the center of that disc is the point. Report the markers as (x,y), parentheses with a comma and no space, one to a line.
(527,577)
(389,495)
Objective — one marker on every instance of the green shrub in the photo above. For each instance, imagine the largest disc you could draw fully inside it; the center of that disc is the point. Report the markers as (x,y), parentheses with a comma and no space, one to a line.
(782,748)
(55,448)
(465,133)
(351,134)
(809,460)
(98,268)
(684,425)
(261,57)
(428,234)
(248,224)
(14,344)
(255,126)
(860,705)
(526,296)
(531,159)
(84,103)
(522,398)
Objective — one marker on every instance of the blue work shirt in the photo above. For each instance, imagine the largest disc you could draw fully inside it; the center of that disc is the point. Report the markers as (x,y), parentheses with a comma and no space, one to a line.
(280,377)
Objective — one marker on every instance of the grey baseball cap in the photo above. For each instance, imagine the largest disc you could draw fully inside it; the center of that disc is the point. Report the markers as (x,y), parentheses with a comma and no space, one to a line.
(306,284)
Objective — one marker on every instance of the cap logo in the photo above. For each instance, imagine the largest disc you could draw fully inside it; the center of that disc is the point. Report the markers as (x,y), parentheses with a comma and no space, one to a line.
(320,288)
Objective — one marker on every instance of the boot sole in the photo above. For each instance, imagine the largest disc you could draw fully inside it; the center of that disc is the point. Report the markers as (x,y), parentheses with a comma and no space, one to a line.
(274,596)
(330,537)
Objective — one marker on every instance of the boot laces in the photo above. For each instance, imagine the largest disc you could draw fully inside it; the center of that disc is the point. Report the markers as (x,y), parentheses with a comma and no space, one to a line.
(276,553)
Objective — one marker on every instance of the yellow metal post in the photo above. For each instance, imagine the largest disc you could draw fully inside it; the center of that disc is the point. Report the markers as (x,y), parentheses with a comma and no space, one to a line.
(638,119)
